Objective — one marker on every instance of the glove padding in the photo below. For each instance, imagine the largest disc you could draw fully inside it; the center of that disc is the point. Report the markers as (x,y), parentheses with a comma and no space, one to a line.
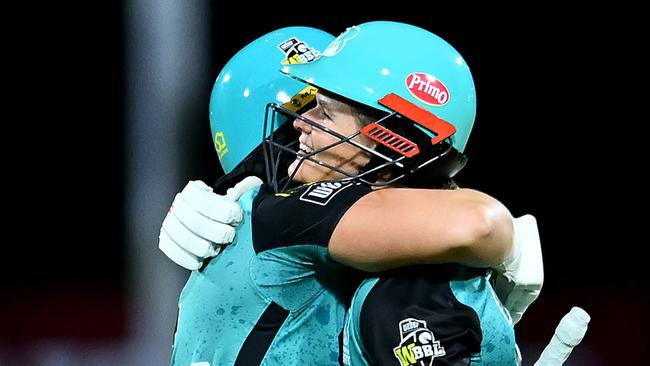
(519,278)
(200,221)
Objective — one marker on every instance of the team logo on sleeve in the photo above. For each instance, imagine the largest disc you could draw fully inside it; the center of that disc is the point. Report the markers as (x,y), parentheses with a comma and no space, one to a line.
(322,193)
(418,346)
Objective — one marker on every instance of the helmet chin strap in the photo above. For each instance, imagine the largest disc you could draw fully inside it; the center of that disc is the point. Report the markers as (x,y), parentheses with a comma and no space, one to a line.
(433,173)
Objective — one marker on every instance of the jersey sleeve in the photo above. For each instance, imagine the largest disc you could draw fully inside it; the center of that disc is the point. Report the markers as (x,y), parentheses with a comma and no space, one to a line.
(291,266)
(411,317)
(307,215)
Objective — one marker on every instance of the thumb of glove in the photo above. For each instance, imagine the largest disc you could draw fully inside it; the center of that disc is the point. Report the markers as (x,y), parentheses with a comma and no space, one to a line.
(242,187)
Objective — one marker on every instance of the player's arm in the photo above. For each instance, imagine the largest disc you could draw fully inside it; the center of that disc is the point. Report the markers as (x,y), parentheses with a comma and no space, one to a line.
(390,228)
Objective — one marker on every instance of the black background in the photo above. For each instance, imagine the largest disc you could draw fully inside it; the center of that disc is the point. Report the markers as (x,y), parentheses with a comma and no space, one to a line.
(556,135)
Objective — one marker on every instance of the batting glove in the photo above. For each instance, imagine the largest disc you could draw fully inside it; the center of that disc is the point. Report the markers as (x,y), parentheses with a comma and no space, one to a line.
(200,221)
(519,278)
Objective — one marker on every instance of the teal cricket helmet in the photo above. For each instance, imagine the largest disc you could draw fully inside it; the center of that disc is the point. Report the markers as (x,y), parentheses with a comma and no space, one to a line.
(250,80)
(370,61)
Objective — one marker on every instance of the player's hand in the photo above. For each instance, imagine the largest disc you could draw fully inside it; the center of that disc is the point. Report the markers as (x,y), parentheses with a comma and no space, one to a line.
(200,221)
(519,279)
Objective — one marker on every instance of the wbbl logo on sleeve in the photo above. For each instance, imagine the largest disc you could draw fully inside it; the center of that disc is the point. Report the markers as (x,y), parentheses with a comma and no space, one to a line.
(418,346)
(322,193)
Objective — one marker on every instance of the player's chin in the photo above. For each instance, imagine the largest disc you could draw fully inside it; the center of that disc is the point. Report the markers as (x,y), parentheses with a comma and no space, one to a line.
(291,171)
(307,172)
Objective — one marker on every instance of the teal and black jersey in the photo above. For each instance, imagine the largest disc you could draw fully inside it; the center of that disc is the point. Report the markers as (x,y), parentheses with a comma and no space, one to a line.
(272,297)
(428,315)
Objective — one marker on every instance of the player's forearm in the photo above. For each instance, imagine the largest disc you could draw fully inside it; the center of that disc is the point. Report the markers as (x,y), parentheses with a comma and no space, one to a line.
(401,227)
(483,239)
(493,238)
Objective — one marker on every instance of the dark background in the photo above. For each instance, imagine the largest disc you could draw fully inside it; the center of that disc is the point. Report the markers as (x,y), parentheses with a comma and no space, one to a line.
(556,136)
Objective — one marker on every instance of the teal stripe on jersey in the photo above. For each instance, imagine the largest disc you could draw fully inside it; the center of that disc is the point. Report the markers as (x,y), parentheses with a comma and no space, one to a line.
(302,279)
(353,350)
(498,347)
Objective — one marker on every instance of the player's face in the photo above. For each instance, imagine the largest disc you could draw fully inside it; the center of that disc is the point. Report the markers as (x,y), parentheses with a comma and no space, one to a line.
(341,118)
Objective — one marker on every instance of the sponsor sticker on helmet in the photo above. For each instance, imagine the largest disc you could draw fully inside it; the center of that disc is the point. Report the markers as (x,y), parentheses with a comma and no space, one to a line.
(220,144)
(427,89)
(297,52)
(417,346)
(301,99)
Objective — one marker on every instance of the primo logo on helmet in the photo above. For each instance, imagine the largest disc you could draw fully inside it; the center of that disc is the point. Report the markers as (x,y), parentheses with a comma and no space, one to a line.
(427,89)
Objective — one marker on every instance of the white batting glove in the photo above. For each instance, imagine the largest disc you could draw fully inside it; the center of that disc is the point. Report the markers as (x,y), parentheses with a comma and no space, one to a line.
(519,278)
(200,221)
